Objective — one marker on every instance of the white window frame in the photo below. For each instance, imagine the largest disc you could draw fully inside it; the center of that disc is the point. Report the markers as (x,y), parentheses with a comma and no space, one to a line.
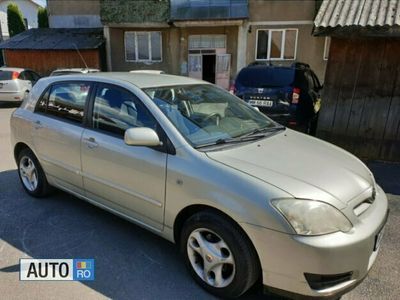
(136,47)
(283,30)
(325,55)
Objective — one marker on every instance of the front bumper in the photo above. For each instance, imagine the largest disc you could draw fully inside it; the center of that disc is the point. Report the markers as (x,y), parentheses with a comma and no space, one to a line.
(286,258)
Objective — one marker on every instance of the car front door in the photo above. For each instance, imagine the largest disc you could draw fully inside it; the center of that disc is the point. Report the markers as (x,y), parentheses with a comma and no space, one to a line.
(127,179)
(57,131)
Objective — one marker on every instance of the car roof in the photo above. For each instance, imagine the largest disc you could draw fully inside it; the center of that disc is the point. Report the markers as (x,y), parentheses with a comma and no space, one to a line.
(141,80)
(11,69)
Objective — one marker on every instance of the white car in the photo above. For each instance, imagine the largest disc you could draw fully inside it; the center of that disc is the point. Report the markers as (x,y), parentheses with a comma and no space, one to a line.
(16,83)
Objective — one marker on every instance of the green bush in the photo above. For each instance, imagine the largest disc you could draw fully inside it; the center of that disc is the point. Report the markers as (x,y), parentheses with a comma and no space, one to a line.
(43,18)
(15,20)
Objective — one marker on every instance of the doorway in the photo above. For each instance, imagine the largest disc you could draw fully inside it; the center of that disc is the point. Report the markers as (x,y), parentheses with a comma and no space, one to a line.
(209,68)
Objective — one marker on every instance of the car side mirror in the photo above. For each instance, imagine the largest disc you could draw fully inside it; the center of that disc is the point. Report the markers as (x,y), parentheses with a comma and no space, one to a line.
(141,136)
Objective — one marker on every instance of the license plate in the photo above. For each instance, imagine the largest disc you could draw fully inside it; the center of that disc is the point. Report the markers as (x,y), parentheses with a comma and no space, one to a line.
(265,103)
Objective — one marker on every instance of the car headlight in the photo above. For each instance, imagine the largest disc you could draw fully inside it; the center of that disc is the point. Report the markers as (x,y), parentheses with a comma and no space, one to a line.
(309,217)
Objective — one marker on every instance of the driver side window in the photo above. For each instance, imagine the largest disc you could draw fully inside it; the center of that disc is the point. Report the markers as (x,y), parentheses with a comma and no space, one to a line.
(115,110)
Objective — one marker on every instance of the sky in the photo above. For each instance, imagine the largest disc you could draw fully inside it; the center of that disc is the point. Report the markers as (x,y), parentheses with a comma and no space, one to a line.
(40,2)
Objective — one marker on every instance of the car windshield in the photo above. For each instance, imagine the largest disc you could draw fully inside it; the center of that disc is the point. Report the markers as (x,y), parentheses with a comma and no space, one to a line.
(207,115)
(263,76)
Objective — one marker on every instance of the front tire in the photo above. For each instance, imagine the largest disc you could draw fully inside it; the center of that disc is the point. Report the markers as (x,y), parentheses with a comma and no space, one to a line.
(31,174)
(218,255)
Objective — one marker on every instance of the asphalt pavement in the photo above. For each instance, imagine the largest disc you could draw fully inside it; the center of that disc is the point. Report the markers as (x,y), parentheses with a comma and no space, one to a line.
(131,263)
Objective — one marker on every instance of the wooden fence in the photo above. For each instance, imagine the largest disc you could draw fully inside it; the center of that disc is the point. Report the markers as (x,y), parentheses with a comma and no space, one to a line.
(361,98)
(45,61)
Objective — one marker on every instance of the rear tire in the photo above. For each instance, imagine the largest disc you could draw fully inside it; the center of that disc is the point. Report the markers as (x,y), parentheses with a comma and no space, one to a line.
(219,255)
(31,174)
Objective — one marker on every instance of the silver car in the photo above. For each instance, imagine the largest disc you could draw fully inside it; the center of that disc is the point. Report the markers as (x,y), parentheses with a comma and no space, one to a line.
(243,197)
(16,83)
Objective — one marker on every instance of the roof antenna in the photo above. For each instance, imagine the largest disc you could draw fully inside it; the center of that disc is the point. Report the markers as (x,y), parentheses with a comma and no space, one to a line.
(80,55)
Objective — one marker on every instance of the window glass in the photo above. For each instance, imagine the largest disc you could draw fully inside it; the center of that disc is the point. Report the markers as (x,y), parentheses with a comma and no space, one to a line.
(262,44)
(155,46)
(206,114)
(276,44)
(35,76)
(6,75)
(28,76)
(130,51)
(22,76)
(42,103)
(143,45)
(116,110)
(290,44)
(67,100)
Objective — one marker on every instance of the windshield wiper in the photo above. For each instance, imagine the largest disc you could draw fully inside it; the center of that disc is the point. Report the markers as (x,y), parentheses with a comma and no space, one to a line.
(263,131)
(256,134)
(234,140)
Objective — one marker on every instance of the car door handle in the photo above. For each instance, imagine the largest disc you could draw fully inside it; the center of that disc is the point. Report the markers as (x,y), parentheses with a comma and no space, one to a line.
(38,124)
(91,142)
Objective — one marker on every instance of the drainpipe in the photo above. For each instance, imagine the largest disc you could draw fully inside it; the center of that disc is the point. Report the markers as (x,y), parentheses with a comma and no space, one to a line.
(242,46)
(106,31)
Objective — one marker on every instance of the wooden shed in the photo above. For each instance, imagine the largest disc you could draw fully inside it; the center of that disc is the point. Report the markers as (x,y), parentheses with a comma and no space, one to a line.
(46,49)
(361,99)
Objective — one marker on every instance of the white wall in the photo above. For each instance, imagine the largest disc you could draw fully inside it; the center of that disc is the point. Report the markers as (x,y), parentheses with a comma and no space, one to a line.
(28,9)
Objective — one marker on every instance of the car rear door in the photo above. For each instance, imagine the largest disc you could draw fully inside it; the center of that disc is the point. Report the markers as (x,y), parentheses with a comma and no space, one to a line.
(57,132)
(128,179)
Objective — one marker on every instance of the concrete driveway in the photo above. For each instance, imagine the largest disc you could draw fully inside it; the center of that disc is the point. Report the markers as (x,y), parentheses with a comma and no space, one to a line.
(131,263)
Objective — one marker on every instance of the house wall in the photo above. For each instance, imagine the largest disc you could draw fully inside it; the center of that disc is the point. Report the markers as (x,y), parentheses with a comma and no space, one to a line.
(270,10)
(44,62)
(361,97)
(174,48)
(28,9)
(170,51)
(74,13)
(119,16)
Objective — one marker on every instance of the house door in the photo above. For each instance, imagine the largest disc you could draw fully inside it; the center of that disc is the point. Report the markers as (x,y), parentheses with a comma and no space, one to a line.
(223,70)
(209,66)
(195,66)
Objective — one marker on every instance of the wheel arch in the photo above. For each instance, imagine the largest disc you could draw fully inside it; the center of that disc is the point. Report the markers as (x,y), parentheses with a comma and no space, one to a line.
(190,210)
(18,148)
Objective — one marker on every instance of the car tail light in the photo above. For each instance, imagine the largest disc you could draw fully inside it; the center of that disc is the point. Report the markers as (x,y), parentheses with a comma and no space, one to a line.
(232,89)
(15,75)
(295,95)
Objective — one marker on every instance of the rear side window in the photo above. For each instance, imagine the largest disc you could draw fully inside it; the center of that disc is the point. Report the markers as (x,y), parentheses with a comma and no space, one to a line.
(262,76)
(67,100)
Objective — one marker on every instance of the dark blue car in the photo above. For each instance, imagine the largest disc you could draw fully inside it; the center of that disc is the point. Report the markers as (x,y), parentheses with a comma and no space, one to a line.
(289,95)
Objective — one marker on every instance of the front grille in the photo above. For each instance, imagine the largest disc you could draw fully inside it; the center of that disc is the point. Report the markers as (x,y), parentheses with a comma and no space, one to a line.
(321,282)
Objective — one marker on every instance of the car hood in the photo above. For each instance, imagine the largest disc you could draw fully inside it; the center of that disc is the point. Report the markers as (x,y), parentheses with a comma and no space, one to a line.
(302,166)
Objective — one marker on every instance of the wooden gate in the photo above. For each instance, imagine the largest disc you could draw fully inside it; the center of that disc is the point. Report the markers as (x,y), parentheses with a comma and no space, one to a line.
(361,99)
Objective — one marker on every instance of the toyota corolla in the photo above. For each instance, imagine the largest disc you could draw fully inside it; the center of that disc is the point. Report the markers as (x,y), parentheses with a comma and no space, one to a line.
(245,199)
